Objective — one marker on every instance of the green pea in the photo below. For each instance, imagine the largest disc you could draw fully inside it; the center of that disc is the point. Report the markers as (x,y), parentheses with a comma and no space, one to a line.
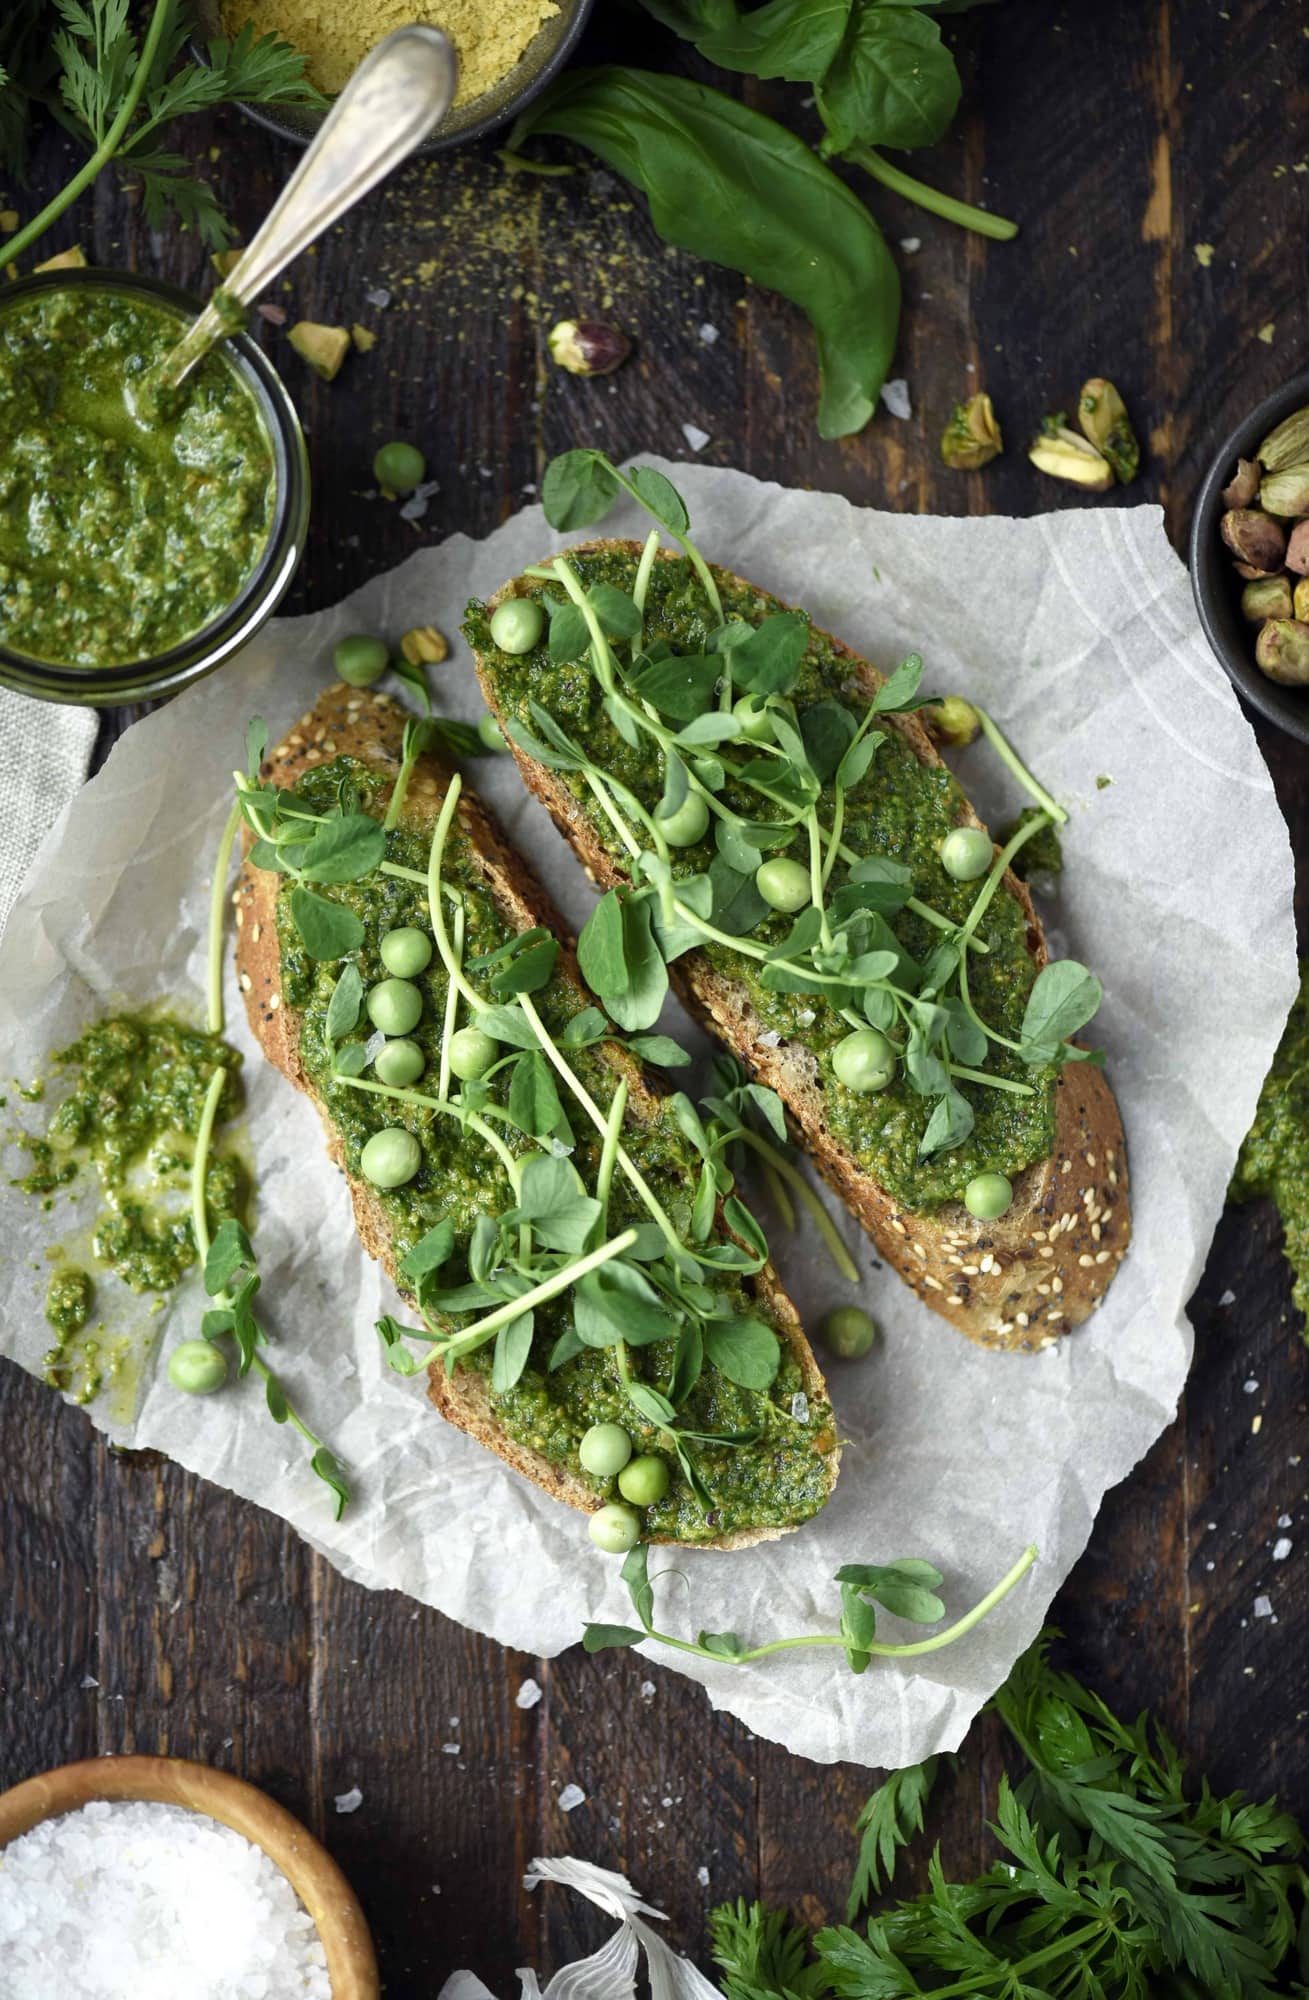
(197,1367)
(399,1063)
(849,1332)
(988,1196)
(399,467)
(361,659)
(491,734)
(391,1157)
(688,824)
(783,884)
(967,853)
(395,1006)
(517,624)
(756,721)
(406,952)
(604,1450)
(645,1480)
(865,1060)
(471,1053)
(615,1529)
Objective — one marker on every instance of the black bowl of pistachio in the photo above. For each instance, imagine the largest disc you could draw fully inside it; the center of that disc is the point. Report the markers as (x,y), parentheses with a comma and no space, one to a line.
(1250,557)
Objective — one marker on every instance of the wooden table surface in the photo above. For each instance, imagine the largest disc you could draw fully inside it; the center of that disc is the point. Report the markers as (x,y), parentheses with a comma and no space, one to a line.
(142,1609)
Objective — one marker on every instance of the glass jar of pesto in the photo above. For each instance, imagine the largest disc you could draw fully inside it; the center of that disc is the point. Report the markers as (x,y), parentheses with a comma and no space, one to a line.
(139,548)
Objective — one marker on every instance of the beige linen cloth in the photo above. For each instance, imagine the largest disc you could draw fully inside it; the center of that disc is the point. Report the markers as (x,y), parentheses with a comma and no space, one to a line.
(44,752)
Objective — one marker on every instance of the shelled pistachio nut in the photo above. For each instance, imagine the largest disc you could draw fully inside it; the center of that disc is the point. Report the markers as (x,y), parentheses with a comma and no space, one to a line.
(1282,651)
(1103,416)
(423,645)
(1255,540)
(1288,443)
(1064,455)
(1267,597)
(1286,493)
(972,437)
(1242,489)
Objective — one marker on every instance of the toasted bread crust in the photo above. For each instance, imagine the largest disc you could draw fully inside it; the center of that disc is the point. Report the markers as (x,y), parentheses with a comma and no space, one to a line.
(369,727)
(1017,1283)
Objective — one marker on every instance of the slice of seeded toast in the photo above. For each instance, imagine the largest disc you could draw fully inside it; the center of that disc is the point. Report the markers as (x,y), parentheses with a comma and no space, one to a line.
(1015,1283)
(368,726)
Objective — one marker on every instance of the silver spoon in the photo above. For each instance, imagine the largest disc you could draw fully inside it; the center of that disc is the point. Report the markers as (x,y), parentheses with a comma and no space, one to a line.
(392,101)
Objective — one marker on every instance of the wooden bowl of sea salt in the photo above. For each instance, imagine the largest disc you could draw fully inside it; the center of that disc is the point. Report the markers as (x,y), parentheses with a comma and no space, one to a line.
(131,1870)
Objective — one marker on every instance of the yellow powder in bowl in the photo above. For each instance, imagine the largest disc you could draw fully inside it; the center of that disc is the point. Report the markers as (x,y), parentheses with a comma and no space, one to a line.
(335,35)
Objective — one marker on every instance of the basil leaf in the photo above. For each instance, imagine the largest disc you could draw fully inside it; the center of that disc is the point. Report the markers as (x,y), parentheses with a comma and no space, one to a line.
(794,40)
(513,1345)
(430,1251)
(578,489)
(344,849)
(893,82)
(327,930)
(344,1006)
(730,185)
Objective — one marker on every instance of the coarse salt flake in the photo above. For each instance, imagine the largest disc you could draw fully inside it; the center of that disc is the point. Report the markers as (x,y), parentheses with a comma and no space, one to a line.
(800,1407)
(909,244)
(1228,1299)
(155,1901)
(1281,1548)
(528,1694)
(770,1039)
(347,1802)
(896,397)
(695,437)
(1250,1386)
(571,1797)
(708,332)
(702,1877)
(1263,1607)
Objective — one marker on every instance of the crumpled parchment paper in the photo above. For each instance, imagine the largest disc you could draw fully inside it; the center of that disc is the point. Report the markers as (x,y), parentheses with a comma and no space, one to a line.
(1076,630)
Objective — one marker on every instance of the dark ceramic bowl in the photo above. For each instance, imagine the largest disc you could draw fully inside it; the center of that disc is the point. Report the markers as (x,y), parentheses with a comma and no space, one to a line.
(1214,580)
(544,55)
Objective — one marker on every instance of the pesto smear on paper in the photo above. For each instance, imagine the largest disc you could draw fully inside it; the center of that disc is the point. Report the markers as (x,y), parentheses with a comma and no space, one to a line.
(1274,1157)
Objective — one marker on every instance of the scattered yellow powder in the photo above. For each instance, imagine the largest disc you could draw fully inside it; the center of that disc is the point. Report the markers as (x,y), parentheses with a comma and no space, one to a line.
(1204,254)
(335,35)
(1267,332)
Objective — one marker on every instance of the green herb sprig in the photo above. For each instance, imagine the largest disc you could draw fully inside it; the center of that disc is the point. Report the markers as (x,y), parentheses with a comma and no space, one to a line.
(907,1589)
(119,95)
(1117,1882)
(841,947)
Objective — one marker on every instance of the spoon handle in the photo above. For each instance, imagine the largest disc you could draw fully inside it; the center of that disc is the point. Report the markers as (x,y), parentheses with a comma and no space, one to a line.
(392,101)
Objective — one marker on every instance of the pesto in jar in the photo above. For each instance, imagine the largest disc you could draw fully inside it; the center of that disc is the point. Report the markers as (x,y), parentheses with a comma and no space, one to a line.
(779,1478)
(902,810)
(124,529)
(1274,1156)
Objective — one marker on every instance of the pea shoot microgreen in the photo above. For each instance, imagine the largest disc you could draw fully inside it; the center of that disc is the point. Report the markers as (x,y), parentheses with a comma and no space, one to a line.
(630,1289)
(906,1589)
(781,789)
(231,1274)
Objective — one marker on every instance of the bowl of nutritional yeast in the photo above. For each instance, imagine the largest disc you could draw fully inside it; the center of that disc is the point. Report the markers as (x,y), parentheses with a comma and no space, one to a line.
(508,50)
(117,1872)
(143,538)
